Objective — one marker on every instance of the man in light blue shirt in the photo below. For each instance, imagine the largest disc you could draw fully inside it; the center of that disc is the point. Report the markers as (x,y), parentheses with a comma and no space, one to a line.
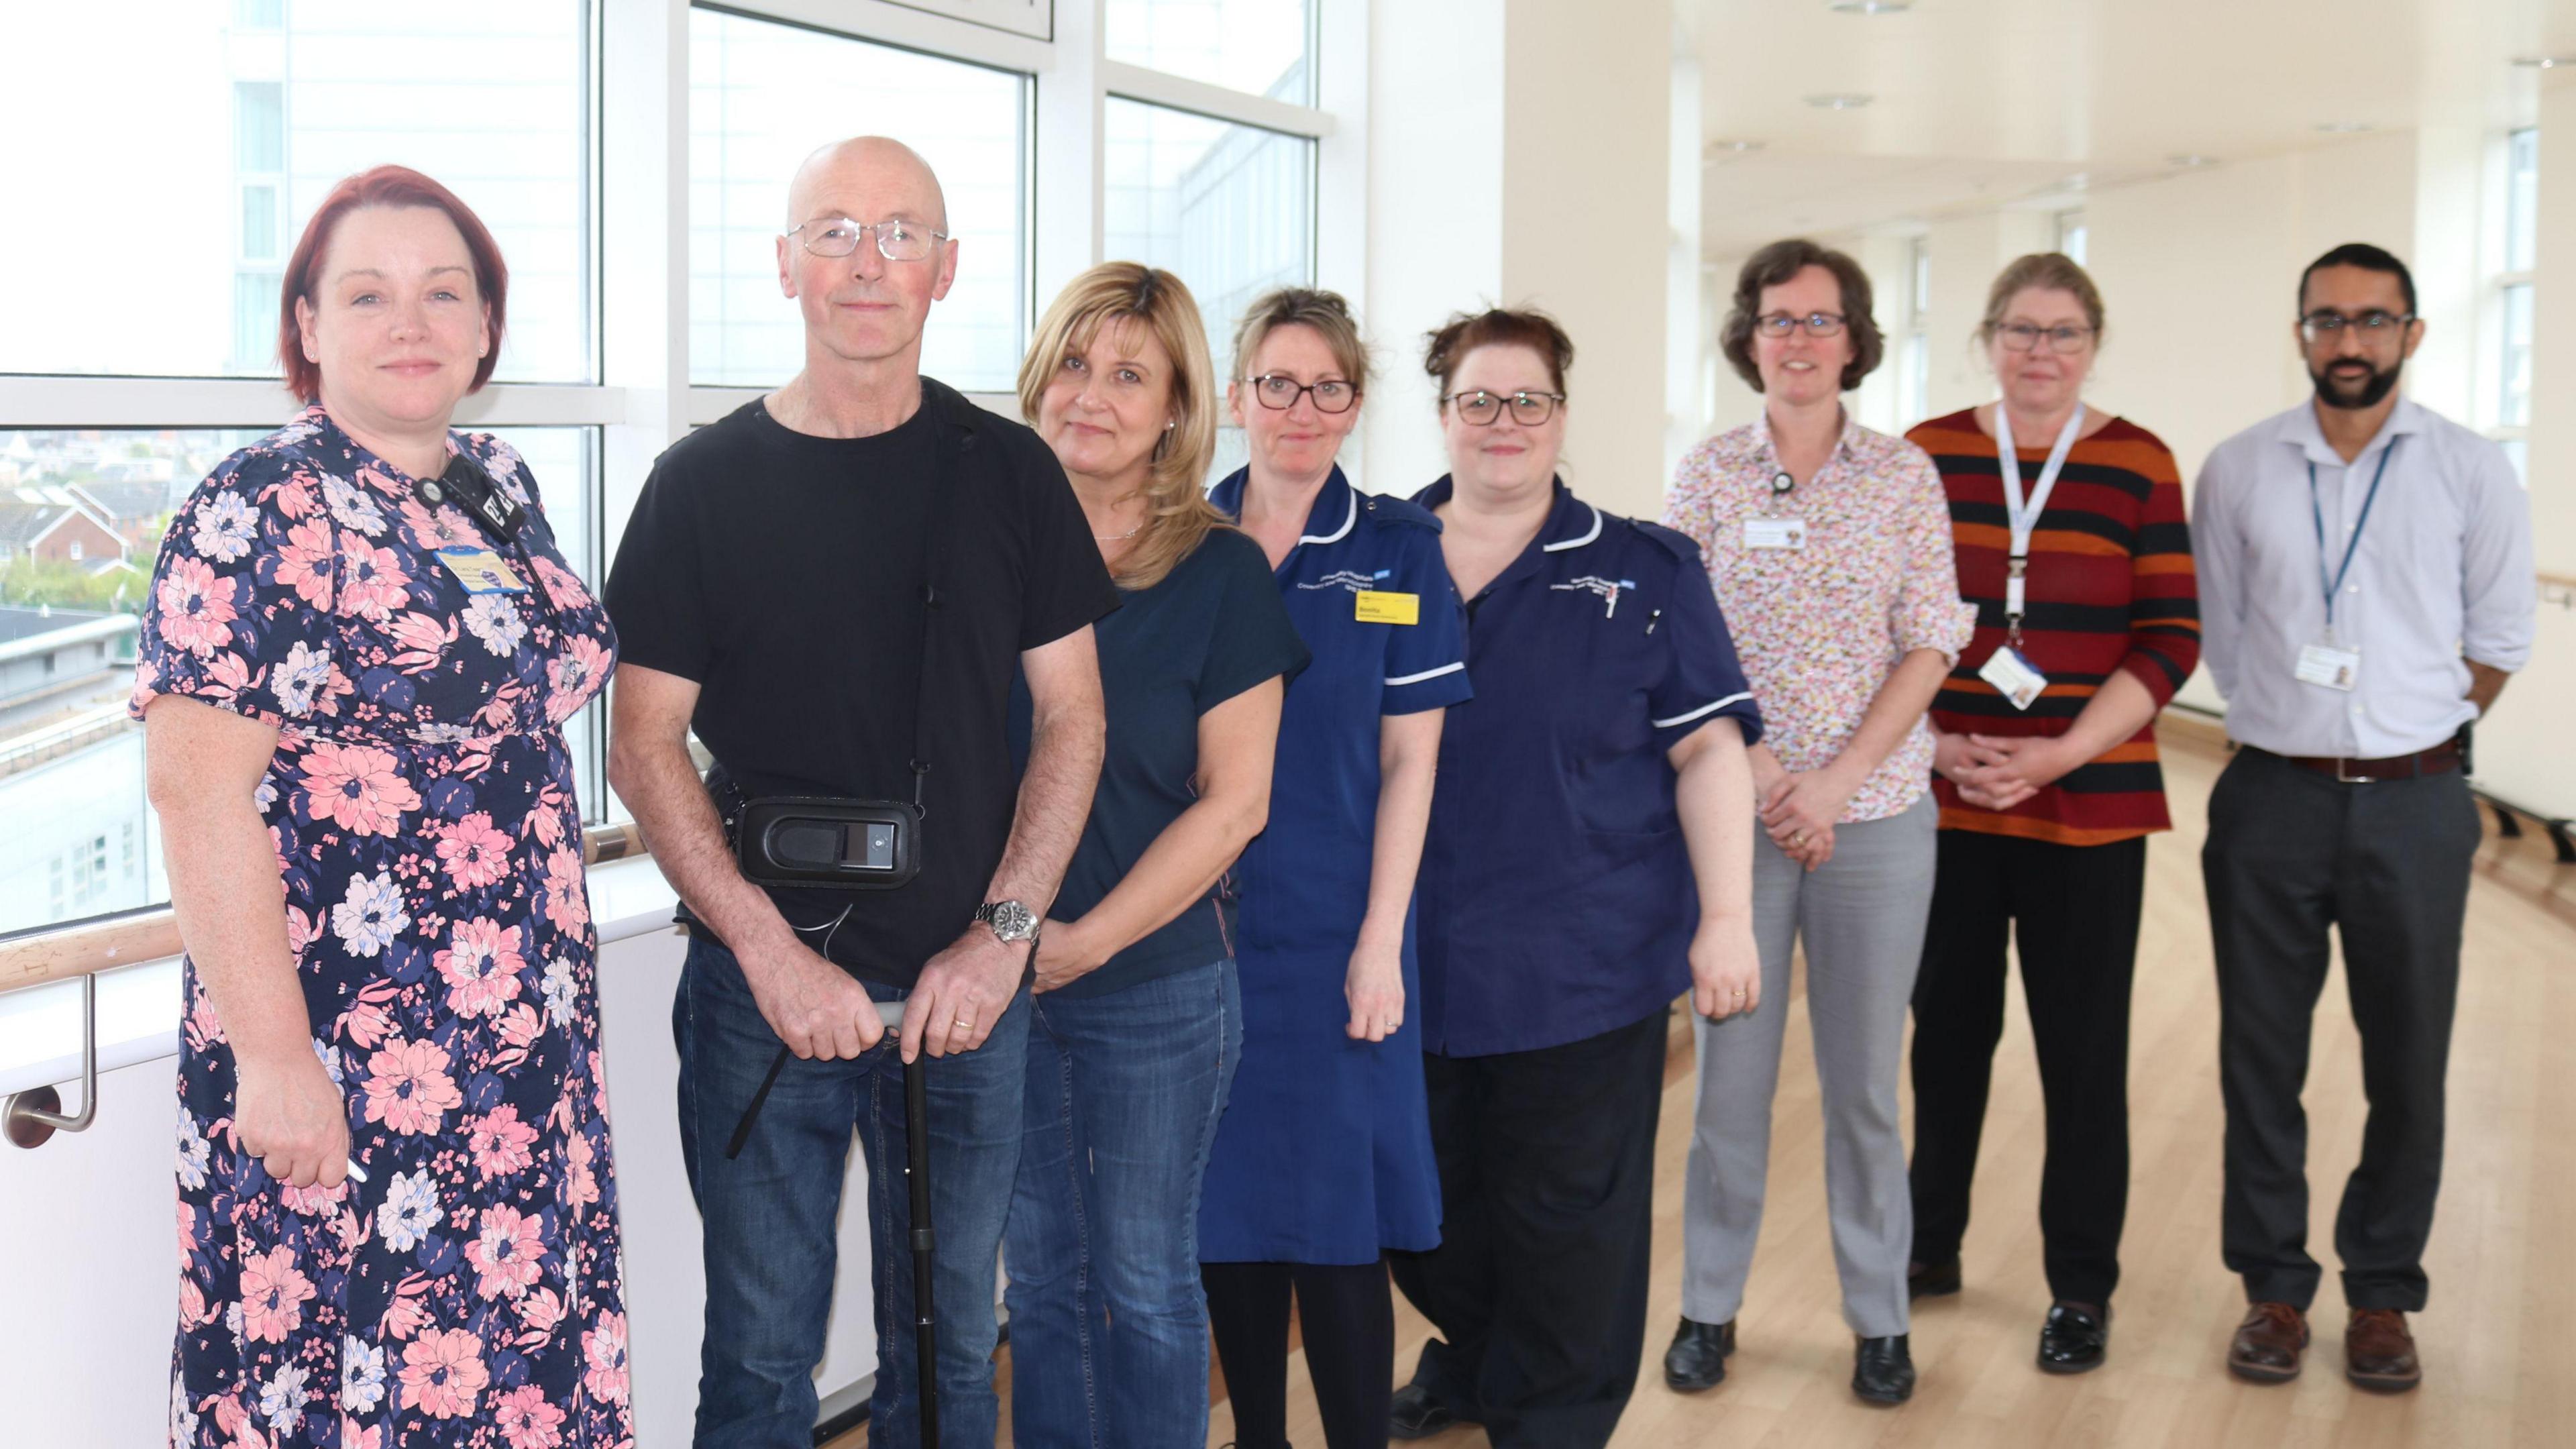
(2366,588)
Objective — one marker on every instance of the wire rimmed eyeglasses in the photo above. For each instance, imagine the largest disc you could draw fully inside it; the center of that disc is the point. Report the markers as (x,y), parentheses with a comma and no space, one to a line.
(1280,393)
(897,240)
(1482,409)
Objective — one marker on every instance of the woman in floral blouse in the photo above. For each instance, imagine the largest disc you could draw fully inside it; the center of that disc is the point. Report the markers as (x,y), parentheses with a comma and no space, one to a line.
(397,1220)
(1829,546)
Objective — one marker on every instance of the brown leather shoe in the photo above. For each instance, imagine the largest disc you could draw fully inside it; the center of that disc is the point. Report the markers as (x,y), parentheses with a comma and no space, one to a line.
(2378,1352)
(2268,1343)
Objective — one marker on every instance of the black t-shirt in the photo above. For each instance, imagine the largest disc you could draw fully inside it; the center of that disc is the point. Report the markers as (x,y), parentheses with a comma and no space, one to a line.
(784,573)
(1213,628)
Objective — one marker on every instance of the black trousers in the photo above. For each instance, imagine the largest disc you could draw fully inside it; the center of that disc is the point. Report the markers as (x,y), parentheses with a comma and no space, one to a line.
(1346,1313)
(2290,855)
(2073,910)
(1538,1287)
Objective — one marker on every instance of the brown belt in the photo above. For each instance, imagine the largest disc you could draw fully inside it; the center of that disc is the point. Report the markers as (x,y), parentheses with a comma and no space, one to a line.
(2439,760)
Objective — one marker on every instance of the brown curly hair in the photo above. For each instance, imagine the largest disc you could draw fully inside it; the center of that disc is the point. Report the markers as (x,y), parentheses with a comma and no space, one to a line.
(1773,266)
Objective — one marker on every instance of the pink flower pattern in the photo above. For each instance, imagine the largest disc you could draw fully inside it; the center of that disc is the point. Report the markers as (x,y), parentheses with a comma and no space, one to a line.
(474,1281)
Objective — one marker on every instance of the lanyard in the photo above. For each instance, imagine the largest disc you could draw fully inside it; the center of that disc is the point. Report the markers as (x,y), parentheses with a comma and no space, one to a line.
(2024,516)
(2334,585)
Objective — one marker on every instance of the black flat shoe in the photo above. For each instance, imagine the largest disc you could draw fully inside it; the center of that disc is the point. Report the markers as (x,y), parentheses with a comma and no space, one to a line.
(2074,1339)
(1932,1280)
(1697,1359)
(1883,1370)
(1417,1415)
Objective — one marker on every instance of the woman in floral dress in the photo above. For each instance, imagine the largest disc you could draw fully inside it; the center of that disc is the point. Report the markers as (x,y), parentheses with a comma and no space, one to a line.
(397,1219)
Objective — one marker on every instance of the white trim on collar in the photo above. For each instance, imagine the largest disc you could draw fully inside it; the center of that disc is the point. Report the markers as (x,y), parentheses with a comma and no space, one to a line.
(1337,535)
(1566,543)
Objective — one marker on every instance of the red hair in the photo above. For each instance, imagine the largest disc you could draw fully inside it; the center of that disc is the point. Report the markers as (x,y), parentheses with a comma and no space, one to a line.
(384,186)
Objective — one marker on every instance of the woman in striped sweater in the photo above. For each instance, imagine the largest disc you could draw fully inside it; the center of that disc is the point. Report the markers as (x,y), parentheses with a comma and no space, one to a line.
(2070,534)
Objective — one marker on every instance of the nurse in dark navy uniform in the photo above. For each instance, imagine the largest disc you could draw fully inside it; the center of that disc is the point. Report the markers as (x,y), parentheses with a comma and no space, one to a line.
(1323,1160)
(1589,860)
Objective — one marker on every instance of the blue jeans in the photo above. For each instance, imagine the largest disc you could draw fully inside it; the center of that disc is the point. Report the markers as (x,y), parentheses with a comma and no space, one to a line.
(770,1214)
(1123,1095)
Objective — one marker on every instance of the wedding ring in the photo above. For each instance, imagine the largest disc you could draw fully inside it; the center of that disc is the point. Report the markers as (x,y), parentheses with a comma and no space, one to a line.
(1798,839)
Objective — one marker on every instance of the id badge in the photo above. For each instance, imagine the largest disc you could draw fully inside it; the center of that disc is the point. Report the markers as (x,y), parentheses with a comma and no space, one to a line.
(1788,533)
(1378,606)
(480,570)
(2330,665)
(2013,676)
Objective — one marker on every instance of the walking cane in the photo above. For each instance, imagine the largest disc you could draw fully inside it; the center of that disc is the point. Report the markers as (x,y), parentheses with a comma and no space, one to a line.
(925,1240)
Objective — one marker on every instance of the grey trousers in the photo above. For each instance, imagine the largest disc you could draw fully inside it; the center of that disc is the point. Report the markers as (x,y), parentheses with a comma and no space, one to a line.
(1862,916)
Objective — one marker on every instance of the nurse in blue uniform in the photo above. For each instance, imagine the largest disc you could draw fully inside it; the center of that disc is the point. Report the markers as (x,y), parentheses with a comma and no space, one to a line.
(1589,860)
(1323,1160)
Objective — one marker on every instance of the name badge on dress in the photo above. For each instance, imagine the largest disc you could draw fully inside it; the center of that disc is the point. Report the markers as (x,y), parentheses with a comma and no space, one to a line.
(480,570)
(2013,676)
(1775,533)
(2329,665)
(1376,606)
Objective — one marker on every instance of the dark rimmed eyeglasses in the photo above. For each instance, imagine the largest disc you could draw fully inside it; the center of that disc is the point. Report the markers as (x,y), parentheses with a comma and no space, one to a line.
(2374,326)
(1279,393)
(1481,408)
(1818,324)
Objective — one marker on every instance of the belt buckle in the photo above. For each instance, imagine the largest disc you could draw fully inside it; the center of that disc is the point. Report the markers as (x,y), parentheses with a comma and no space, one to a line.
(2344,779)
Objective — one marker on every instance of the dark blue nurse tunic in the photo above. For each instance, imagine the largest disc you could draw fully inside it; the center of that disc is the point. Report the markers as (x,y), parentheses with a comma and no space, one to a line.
(1324,1154)
(1556,896)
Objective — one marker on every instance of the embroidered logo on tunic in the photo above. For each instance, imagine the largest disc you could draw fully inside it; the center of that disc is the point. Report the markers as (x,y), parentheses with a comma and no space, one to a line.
(1351,579)
(1599,587)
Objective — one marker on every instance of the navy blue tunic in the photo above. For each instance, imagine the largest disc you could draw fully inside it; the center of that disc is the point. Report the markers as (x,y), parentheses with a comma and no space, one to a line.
(1556,895)
(1324,1155)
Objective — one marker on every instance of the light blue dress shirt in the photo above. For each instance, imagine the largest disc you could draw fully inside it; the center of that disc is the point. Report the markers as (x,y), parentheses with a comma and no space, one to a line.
(2442,575)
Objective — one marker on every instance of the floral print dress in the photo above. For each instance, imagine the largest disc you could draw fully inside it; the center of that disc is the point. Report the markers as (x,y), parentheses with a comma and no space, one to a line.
(470,1291)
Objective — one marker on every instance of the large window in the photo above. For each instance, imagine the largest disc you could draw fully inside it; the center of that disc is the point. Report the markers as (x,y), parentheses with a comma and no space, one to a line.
(761,97)
(150,224)
(2513,309)
(141,271)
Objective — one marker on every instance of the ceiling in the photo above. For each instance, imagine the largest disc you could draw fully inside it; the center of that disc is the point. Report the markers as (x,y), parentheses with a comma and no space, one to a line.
(1977,103)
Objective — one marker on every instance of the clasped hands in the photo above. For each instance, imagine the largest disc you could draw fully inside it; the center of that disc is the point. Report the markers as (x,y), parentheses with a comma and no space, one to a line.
(1998,772)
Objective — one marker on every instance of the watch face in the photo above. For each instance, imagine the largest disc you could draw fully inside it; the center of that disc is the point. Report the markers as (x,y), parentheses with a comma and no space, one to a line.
(1012,921)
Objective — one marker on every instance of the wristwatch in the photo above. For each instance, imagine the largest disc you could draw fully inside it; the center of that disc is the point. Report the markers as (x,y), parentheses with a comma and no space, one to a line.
(1010,920)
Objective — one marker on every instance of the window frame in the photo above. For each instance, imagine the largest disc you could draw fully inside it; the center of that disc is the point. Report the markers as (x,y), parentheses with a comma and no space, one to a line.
(637,234)
(2504,279)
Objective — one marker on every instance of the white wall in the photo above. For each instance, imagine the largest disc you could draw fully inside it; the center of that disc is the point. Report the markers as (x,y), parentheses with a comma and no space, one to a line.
(1578,97)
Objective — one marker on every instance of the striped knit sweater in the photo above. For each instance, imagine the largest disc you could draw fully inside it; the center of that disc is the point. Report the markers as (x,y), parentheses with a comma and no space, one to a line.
(2110,587)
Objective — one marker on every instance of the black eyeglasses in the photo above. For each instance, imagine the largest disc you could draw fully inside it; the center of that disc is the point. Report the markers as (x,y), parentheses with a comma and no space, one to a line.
(1818,324)
(2375,326)
(1529,409)
(1279,394)
(2031,337)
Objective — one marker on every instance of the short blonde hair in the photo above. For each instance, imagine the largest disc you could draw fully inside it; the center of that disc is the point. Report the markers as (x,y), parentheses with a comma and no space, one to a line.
(2050,272)
(1327,313)
(1178,516)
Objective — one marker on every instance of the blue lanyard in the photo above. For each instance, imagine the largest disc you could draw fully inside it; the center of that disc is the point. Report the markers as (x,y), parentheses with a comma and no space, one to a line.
(2316,511)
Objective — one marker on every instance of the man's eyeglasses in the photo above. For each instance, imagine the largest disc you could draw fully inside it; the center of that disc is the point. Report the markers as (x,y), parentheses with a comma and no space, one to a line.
(1279,394)
(1529,409)
(897,241)
(2029,337)
(2374,326)
(1818,324)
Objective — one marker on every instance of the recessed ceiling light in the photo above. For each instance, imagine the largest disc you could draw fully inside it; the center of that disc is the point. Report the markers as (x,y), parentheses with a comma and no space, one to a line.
(2344,128)
(1873,7)
(1846,101)
(2545,62)
(2191,161)
(1718,149)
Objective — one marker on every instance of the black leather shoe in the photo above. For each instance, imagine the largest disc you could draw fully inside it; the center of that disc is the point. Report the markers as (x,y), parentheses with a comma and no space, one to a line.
(1932,1280)
(2074,1338)
(1417,1415)
(1883,1370)
(1697,1359)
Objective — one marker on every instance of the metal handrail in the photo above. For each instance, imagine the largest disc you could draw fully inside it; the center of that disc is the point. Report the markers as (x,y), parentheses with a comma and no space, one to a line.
(58,953)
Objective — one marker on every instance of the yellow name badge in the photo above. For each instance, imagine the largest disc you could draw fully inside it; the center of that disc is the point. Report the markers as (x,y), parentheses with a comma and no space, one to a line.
(480,570)
(1376,607)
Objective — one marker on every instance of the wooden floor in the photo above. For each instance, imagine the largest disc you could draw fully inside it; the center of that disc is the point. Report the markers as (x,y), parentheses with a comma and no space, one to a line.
(2495,1340)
